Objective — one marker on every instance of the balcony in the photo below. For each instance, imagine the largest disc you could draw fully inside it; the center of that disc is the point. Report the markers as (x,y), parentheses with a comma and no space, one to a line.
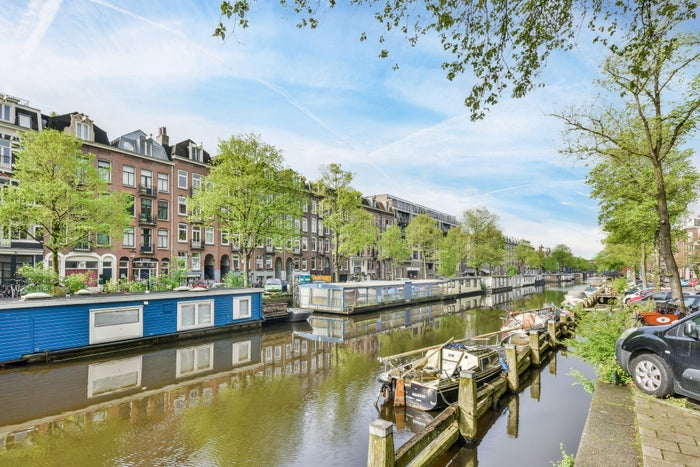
(146,249)
(146,219)
(147,190)
(197,245)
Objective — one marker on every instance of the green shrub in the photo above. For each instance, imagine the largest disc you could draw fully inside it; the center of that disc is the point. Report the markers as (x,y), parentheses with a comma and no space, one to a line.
(596,334)
(39,279)
(75,282)
(233,280)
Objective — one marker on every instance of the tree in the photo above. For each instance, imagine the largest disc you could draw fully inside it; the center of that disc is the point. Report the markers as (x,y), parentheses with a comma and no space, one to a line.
(423,235)
(352,227)
(562,256)
(251,195)
(653,76)
(486,244)
(393,247)
(626,194)
(504,44)
(452,252)
(59,198)
(525,255)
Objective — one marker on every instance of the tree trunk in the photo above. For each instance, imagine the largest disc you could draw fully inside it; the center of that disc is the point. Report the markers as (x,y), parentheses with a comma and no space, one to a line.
(57,279)
(665,240)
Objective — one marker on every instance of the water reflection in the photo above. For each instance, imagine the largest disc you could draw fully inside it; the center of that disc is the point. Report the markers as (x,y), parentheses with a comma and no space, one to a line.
(289,394)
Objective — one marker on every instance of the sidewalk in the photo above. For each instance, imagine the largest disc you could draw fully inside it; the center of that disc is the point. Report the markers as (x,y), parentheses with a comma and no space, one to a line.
(625,427)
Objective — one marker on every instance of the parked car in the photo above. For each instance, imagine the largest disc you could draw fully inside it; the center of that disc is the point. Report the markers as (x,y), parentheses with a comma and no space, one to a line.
(685,283)
(692,304)
(273,285)
(663,359)
(629,298)
(656,297)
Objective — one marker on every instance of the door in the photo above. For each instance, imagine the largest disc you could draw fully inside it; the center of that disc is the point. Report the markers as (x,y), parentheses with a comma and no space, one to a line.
(687,352)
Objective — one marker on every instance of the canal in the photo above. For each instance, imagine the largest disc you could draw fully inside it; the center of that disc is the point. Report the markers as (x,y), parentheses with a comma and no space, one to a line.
(289,394)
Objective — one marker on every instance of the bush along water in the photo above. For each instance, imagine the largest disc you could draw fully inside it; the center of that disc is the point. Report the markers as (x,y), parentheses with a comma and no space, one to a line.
(594,342)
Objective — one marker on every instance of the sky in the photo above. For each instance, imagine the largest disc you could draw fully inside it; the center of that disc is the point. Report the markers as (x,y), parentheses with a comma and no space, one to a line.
(320,96)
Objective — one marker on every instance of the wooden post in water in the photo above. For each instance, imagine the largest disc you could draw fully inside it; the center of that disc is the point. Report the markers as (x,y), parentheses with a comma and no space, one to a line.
(381,444)
(535,347)
(399,393)
(552,331)
(467,405)
(512,362)
(513,421)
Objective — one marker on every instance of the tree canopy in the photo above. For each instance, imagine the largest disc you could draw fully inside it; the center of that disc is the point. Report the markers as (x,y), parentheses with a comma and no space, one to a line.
(393,247)
(59,197)
(423,235)
(485,241)
(352,227)
(505,44)
(251,195)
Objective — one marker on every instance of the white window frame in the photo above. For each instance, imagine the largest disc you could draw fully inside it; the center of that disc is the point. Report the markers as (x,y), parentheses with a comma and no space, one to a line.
(114,376)
(237,301)
(129,233)
(182,177)
(182,203)
(182,227)
(197,324)
(201,357)
(128,176)
(209,235)
(163,183)
(241,352)
(163,244)
(82,131)
(115,332)
(104,168)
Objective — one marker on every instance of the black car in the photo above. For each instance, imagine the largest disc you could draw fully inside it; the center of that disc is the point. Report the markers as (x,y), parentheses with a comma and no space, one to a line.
(663,359)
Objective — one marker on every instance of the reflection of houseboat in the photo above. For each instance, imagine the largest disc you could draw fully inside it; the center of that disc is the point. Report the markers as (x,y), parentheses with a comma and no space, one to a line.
(51,329)
(432,381)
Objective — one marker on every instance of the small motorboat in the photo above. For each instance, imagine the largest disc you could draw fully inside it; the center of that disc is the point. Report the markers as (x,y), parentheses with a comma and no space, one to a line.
(517,325)
(297,314)
(431,382)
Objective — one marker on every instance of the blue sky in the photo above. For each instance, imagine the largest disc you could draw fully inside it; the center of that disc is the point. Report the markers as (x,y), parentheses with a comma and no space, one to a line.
(319,95)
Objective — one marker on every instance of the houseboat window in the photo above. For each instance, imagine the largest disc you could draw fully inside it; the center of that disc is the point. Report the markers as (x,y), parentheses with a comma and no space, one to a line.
(241,307)
(194,360)
(111,324)
(195,314)
(114,376)
(241,352)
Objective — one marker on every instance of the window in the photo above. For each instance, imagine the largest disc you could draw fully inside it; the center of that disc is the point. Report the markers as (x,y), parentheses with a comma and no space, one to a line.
(193,314)
(313,243)
(103,239)
(313,225)
(5,154)
(182,205)
(304,225)
(182,179)
(209,235)
(104,168)
(303,264)
(236,262)
(196,181)
(320,226)
(162,238)
(128,176)
(182,233)
(224,238)
(146,178)
(196,235)
(146,240)
(5,112)
(314,206)
(162,210)
(313,263)
(304,243)
(194,360)
(241,307)
(24,120)
(196,152)
(146,210)
(241,352)
(82,131)
(163,183)
(182,259)
(128,239)
(110,324)
(196,261)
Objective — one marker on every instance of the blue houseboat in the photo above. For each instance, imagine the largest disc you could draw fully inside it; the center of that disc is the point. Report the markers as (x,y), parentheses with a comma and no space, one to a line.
(58,328)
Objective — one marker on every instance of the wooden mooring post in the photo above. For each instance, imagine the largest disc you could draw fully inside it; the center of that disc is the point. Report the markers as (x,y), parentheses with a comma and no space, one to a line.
(467,402)
(381,444)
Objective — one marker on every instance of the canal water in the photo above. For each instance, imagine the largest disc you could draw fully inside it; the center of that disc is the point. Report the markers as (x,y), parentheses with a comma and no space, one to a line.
(288,394)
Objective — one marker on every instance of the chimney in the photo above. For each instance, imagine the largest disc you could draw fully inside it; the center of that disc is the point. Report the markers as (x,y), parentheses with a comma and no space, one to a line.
(162,137)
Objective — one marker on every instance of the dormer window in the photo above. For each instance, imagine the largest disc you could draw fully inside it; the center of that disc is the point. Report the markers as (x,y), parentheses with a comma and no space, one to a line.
(82,131)
(196,152)
(24,120)
(5,112)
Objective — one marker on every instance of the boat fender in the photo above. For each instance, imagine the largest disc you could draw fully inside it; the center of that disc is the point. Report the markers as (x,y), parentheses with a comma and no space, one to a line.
(504,365)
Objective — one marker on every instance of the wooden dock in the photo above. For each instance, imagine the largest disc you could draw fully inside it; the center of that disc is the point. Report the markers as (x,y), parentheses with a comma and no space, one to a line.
(459,420)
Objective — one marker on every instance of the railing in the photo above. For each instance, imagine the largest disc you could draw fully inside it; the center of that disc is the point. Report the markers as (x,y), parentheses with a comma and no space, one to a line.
(5,243)
(147,190)
(146,219)
(197,245)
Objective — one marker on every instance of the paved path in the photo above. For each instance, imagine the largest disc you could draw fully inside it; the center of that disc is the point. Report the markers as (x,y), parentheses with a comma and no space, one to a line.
(626,428)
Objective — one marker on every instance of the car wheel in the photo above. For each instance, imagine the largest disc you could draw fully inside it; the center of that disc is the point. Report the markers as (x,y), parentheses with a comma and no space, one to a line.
(652,375)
